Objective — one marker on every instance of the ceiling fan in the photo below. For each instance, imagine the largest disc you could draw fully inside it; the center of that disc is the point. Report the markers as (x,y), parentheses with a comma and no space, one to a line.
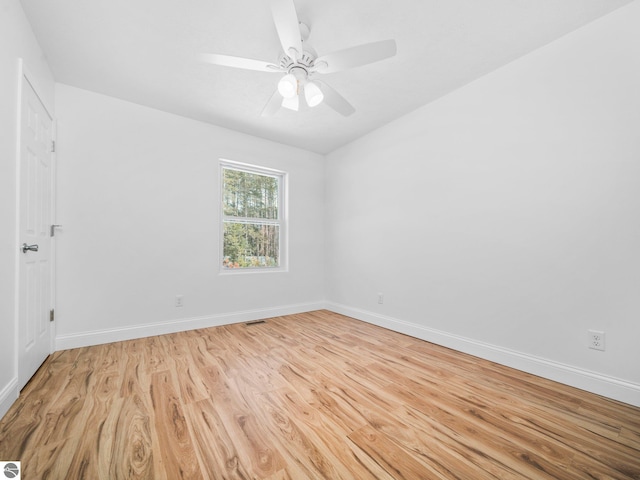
(300,64)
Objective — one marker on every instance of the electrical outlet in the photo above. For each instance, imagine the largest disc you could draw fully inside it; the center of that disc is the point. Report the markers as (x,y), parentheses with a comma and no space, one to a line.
(596,339)
(179,301)
(380,298)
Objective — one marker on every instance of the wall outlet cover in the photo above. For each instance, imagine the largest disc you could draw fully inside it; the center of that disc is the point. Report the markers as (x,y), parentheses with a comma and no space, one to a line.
(596,339)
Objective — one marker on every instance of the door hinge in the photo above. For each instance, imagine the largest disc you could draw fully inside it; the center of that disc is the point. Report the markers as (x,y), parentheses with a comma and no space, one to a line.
(52,230)
(52,315)
(53,146)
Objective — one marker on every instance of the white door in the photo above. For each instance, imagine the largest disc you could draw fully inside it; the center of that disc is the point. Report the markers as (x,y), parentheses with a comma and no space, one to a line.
(35,270)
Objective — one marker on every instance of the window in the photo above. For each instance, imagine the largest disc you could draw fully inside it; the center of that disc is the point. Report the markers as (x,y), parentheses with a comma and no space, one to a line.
(253,220)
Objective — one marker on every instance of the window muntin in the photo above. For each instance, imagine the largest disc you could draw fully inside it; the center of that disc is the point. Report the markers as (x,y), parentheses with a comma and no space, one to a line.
(252,218)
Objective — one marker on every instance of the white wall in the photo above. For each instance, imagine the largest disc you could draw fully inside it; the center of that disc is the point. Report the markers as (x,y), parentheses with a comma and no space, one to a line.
(16,41)
(139,204)
(504,219)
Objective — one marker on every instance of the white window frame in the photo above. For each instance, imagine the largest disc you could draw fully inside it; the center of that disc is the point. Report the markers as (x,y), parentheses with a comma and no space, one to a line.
(282,220)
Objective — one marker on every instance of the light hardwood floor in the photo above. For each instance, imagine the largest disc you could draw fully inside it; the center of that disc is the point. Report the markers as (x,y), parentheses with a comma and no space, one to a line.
(316,395)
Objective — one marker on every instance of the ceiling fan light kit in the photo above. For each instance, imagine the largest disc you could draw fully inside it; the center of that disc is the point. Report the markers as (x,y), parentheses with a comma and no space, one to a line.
(312,94)
(300,65)
(288,86)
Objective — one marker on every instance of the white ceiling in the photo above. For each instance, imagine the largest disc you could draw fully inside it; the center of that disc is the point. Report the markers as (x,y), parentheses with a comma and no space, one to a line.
(146,51)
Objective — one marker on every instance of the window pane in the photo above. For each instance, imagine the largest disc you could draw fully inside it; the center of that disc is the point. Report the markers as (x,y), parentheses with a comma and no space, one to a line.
(250,195)
(250,245)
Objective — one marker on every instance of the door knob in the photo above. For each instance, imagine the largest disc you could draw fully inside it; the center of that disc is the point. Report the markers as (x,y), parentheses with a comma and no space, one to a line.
(33,248)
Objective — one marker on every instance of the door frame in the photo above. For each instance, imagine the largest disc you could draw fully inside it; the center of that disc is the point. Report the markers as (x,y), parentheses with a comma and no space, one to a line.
(24,74)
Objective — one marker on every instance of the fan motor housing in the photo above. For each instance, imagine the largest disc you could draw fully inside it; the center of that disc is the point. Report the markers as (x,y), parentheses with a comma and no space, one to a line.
(305,61)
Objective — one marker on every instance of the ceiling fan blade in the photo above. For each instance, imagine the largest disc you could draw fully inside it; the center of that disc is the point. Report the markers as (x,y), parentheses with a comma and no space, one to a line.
(239,62)
(287,25)
(355,56)
(334,100)
(273,105)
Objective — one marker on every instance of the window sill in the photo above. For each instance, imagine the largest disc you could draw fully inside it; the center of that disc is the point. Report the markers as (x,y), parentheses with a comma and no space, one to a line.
(245,271)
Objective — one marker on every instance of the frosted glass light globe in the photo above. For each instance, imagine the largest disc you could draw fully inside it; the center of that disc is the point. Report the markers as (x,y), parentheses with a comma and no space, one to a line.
(312,94)
(288,86)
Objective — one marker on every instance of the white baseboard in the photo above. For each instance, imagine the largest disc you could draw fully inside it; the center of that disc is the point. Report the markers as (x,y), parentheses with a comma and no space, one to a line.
(98,337)
(593,382)
(8,395)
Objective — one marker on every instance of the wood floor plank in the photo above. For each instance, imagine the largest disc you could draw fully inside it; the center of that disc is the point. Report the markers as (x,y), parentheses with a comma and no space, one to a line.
(455,455)
(307,396)
(179,350)
(178,453)
(128,447)
(24,419)
(215,447)
(135,378)
(304,447)
(395,460)
(95,444)
(56,440)
(293,421)
(249,436)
